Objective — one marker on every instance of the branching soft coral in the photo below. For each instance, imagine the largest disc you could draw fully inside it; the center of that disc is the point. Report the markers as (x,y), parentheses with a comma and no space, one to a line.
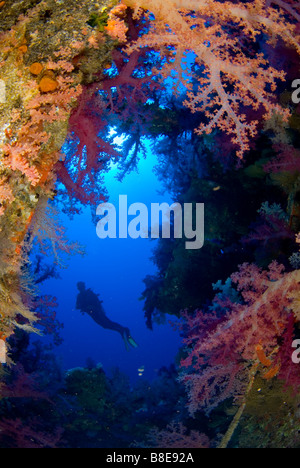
(47,230)
(116,96)
(17,434)
(290,6)
(116,27)
(221,351)
(272,226)
(88,150)
(42,80)
(14,311)
(287,160)
(177,436)
(222,38)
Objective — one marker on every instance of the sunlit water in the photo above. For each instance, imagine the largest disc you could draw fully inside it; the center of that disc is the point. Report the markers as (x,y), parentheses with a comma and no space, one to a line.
(115,269)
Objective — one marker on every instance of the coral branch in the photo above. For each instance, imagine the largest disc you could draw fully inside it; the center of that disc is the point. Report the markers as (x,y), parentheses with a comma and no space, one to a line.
(231,75)
(41,82)
(220,355)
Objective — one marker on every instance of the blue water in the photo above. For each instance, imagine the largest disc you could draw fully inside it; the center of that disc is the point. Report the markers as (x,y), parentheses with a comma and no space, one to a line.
(113,268)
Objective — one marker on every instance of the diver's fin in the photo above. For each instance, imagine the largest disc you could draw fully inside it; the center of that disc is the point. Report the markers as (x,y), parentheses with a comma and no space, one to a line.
(132,342)
(129,341)
(125,339)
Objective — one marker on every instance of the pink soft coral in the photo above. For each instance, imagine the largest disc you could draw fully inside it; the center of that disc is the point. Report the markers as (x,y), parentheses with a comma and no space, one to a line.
(221,351)
(287,159)
(233,74)
(177,436)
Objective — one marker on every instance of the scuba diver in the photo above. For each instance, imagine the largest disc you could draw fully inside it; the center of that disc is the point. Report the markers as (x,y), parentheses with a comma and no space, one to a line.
(89,302)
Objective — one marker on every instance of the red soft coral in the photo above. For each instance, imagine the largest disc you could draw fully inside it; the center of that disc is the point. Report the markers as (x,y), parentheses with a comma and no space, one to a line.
(287,160)
(221,356)
(89,150)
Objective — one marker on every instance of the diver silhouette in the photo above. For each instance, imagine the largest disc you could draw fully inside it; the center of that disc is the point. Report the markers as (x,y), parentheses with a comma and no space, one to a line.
(89,302)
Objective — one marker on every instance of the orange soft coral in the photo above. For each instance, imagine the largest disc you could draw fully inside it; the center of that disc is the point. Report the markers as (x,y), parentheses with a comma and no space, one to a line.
(117,29)
(116,26)
(262,357)
(272,372)
(266,362)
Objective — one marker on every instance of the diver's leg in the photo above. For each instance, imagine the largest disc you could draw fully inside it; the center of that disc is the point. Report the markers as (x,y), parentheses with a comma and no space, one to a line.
(106,323)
